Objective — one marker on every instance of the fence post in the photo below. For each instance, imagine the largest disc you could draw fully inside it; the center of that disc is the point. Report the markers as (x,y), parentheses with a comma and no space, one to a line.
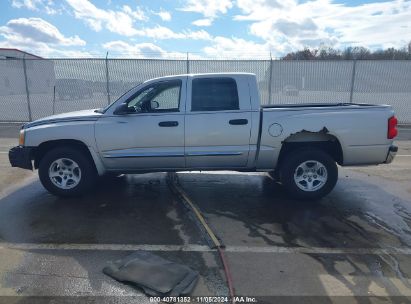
(27,87)
(188,65)
(270,80)
(54,99)
(107,81)
(353,79)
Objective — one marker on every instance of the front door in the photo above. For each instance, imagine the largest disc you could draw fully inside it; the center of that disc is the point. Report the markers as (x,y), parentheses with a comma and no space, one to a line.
(150,136)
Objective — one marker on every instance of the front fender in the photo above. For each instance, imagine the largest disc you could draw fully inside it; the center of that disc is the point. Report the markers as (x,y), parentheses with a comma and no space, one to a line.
(81,131)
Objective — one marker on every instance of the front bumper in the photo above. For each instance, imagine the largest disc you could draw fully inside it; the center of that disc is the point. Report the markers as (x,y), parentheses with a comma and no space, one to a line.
(392,151)
(21,157)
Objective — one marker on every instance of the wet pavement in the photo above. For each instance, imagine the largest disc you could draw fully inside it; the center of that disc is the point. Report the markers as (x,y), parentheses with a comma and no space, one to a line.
(132,210)
(353,245)
(136,209)
(356,214)
(343,245)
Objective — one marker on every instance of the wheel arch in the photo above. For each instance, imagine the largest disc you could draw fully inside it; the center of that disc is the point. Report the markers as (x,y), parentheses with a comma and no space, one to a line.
(321,140)
(46,146)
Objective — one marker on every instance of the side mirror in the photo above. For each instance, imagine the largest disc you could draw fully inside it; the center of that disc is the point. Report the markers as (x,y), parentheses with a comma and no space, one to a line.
(154,104)
(123,109)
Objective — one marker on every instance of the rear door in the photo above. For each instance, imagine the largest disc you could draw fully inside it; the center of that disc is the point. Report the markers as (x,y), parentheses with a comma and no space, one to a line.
(218,122)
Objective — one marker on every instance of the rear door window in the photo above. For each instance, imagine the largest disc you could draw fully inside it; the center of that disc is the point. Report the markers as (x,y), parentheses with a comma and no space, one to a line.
(214,94)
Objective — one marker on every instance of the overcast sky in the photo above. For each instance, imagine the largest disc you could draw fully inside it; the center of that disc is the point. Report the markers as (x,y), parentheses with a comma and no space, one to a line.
(207,28)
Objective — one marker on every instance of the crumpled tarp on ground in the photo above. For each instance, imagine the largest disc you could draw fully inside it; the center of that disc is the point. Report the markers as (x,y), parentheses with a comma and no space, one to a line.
(155,275)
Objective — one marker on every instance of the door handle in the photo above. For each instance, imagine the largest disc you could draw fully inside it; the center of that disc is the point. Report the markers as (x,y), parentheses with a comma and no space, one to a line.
(168,123)
(237,122)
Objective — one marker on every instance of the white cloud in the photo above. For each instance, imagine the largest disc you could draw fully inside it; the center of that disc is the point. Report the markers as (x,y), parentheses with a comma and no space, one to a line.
(44,50)
(161,32)
(290,25)
(203,22)
(261,9)
(131,50)
(198,35)
(120,21)
(29,4)
(37,30)
(39,37)
(120,48)
(164,15)
(47,6)
(220,47)
(210,9)
(137,14)
(223,47)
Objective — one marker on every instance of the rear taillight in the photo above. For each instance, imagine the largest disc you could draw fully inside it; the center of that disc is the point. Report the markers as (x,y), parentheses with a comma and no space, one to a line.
(392,127)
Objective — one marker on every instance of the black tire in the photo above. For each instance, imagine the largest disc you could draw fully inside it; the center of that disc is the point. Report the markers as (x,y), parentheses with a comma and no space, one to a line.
(292,163)
(88,174)
(112,176)
(275,175)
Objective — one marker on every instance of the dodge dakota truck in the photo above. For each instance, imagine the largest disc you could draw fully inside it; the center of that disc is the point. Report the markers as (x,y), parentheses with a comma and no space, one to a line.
(206,122)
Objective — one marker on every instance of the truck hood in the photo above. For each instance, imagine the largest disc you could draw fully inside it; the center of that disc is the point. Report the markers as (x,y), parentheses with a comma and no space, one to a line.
(84,115)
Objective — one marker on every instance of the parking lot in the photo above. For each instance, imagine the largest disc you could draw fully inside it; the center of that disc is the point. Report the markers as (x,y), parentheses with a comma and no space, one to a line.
(352,246)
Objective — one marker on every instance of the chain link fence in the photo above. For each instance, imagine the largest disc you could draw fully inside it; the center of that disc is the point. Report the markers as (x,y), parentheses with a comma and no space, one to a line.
(34,88)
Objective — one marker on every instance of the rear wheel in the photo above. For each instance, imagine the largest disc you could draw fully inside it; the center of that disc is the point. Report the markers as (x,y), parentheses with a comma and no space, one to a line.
(275,175)
(309,174)
(65,171)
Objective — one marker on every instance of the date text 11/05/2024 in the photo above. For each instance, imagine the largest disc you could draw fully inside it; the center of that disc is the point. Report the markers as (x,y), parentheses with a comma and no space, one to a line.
(206,299)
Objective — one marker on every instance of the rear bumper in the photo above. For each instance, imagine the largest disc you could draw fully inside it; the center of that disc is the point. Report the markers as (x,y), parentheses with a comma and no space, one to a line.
(392,151)
(21,157)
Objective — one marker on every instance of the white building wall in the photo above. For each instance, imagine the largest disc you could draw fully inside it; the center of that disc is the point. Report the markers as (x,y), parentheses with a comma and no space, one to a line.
(40,73)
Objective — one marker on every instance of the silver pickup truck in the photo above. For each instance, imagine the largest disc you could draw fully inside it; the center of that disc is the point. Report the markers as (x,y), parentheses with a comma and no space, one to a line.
(206,122)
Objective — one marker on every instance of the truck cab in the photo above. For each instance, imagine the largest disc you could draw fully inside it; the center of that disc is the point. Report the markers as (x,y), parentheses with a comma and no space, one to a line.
(162,127)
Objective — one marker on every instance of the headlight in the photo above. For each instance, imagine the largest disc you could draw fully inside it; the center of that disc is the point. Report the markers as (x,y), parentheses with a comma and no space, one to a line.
(21,137)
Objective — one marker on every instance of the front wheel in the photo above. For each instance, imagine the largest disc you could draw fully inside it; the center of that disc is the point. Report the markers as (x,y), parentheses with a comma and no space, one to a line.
(309,174)
(65,171)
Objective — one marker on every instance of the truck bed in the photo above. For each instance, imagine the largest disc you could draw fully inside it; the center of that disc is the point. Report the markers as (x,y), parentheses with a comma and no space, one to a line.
(361,129)
(318,105)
